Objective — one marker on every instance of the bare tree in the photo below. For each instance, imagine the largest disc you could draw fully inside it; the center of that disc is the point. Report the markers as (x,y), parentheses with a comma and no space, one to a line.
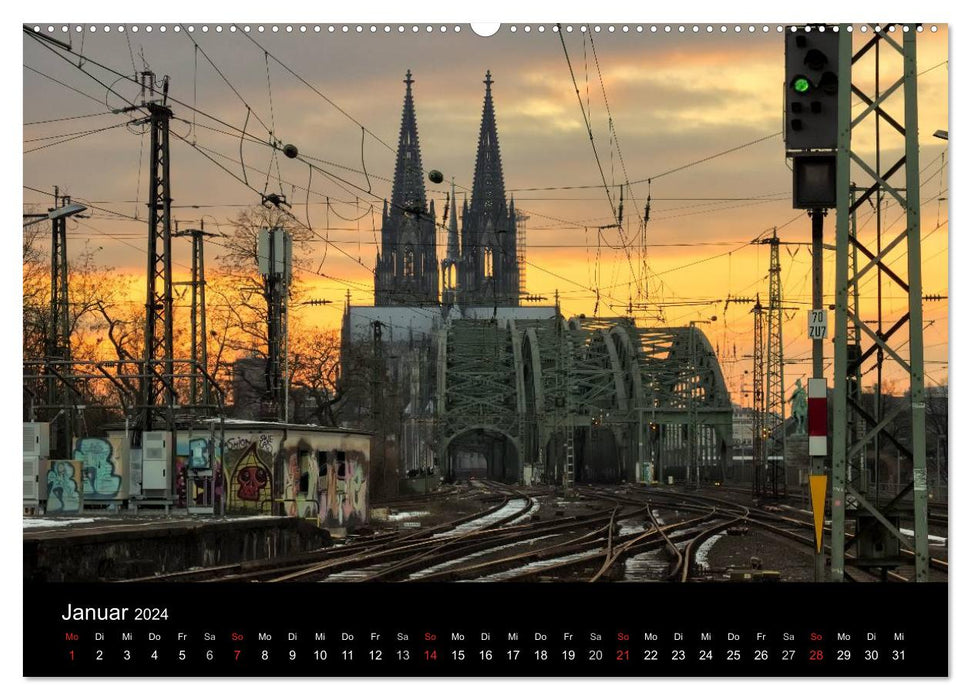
(315,374)
(239,308)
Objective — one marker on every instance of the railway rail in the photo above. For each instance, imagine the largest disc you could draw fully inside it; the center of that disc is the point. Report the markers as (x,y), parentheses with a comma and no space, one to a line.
(507,540)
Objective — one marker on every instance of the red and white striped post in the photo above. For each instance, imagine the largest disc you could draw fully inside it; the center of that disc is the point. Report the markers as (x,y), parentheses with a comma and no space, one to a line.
(816,418)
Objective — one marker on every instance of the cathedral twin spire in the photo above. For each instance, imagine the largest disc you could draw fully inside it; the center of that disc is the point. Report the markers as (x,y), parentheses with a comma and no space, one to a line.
(484,269)
(408,189)
(406,273)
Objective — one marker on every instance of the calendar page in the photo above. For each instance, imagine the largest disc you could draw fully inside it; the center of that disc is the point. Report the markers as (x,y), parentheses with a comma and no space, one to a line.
(438,350)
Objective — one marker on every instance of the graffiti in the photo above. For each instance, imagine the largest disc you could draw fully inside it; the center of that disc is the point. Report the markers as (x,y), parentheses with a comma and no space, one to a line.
(266,443)
(237,442)
(291,479)
(343,500)
(334,496)
(198,453)
(356,491)
(63,482)
(310,493)
(309,475)
(98,472)
(251,481)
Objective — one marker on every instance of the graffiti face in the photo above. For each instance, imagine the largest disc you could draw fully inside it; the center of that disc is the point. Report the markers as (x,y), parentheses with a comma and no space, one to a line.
(100,479)
(251,481)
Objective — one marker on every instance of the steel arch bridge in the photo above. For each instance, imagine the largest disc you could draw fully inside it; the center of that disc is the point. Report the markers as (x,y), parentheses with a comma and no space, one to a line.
(584,399)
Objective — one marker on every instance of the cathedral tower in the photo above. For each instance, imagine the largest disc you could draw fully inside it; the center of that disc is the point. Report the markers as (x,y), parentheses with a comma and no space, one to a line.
(490,270)
(406,273)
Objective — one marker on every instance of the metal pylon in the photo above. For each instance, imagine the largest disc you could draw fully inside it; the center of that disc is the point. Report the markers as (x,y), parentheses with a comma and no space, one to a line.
(758,402)
(200,394)
(873,105)
(59,336)
(775,396)
(157,380)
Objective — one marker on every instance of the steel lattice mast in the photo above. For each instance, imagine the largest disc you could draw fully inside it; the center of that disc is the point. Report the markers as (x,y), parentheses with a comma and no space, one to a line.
(157,380)
(200,393)
(775,397)
(59,336)
(758,401)
(880,519)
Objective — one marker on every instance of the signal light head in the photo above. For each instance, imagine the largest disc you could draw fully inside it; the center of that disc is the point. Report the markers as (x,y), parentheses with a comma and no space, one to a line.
(815,59)
(829,83)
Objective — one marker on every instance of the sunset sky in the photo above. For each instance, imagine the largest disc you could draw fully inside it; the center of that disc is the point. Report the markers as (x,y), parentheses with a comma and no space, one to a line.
(676,101)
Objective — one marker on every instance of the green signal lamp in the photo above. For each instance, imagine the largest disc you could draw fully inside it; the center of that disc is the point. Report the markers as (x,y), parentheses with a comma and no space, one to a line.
(801,84)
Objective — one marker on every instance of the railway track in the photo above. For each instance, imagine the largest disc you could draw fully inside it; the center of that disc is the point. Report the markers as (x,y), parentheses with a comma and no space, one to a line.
(363,546)
(507,540)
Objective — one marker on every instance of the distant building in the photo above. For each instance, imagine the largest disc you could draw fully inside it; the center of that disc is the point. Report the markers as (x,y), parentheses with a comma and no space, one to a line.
(471,383)
(249,387)
(742,417)
(390,350)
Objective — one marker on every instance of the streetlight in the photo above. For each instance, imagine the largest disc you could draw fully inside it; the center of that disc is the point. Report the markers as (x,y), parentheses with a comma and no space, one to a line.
(55,214)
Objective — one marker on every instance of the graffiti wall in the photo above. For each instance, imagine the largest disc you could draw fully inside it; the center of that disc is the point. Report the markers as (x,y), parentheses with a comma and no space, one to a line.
(344,501)
(257,469)
(103,469)
(302,473)
(64,486)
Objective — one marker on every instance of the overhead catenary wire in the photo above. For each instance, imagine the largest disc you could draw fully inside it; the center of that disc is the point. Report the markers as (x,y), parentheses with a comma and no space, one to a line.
(302,157)
(311,174)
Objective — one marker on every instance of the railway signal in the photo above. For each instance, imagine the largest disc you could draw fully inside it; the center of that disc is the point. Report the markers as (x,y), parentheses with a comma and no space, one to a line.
(812,69)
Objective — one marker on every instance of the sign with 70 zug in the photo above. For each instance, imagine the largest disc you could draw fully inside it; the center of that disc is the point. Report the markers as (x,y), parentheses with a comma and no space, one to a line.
(818,326)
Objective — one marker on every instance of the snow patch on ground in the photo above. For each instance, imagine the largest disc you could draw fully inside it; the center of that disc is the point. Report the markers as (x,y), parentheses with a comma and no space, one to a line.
(485,521)
(629,527)
(407,515)
(526,515)
(502,575)
(649,566)
(452,562)
(932,540)
(51,522)
(701,556)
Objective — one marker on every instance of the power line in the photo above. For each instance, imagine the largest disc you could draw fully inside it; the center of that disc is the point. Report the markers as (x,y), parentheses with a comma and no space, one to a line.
(653,177)
(329,101)
(586,121)
(79,135)
(64,119)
